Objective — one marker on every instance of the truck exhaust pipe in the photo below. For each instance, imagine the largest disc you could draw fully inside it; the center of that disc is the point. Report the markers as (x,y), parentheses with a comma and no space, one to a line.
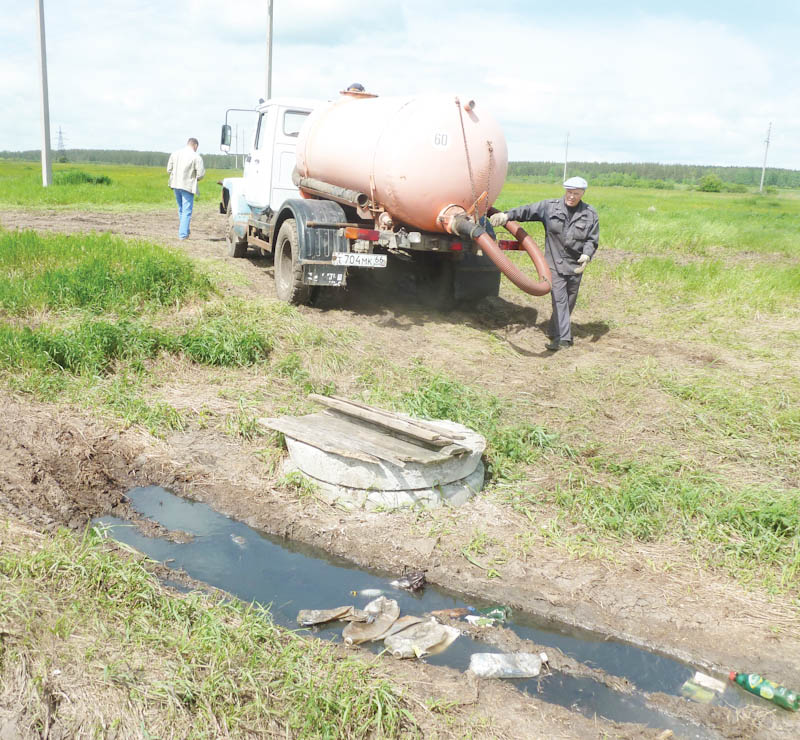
(462,225)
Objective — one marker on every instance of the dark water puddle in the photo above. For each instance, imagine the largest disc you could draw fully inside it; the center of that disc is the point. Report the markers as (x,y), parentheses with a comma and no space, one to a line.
(287,577)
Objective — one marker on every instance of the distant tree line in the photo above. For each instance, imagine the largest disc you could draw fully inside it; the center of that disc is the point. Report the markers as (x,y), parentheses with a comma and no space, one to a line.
(652,174)
(634,174)
(120,156)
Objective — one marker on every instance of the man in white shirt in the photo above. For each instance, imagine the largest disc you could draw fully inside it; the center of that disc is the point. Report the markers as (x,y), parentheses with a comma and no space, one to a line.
(185,168)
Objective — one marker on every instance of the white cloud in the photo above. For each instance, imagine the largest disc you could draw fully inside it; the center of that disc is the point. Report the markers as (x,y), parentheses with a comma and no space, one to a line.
(641,87)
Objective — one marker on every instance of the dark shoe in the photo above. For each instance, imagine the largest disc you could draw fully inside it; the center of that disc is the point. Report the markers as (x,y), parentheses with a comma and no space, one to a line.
(553,345)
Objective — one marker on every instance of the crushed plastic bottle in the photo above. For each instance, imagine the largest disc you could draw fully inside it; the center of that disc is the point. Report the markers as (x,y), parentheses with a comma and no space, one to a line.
(696,692)
(421,639)
(382,614)
(478,621)
(370,593)
(768,690)
(505,665)
(309,617)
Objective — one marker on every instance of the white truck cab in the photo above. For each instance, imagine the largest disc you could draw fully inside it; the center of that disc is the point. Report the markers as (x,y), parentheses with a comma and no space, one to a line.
(267,177)
(269,165)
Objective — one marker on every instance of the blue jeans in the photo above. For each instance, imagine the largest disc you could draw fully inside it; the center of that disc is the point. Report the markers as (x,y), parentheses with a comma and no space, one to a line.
(185,204)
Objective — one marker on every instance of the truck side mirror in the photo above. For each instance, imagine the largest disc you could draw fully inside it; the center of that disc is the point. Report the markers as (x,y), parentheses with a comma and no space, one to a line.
(225,138)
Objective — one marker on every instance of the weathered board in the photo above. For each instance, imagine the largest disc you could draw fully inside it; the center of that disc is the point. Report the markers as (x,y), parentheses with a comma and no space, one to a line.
(412,429)
(368,434)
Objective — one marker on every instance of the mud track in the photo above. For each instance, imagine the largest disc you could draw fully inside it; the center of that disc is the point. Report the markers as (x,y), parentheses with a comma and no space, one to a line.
(61,467)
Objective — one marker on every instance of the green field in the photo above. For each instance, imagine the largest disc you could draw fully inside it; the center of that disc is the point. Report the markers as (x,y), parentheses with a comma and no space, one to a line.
(130,187)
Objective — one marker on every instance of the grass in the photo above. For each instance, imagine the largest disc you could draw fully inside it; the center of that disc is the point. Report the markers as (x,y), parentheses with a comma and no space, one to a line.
(707,463)
(649,222)
(738,412)
(97,273)
(86,317)
(94,347)
(101,186)
(734,289)
(131,656)
(747,529)
(79,177)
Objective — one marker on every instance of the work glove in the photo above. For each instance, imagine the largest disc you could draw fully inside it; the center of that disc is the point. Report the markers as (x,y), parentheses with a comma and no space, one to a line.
(498,219)
(583,260)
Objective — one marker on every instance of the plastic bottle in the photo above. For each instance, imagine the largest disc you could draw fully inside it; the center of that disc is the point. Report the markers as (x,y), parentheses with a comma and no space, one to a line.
(502,665)
(768,690)
(498,613)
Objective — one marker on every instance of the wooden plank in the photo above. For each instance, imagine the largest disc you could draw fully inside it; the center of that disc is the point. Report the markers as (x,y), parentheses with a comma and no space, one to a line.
(374,440)
(421,423)
(393,422)
(350,437)
(289,426)
(384,420)
(317,431)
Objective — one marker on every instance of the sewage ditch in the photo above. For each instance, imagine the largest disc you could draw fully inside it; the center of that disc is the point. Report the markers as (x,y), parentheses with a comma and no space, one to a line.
(288,577)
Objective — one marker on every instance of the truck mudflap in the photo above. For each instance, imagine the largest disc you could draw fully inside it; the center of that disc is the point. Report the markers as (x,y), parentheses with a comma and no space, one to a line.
(234,202)
(319,237)
(475,277)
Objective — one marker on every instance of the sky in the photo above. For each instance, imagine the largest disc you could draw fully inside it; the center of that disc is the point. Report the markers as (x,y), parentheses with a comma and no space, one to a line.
(676,81)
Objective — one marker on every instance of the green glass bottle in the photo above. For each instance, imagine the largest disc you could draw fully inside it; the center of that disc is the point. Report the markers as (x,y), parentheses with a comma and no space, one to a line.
(768,690)
(498,613)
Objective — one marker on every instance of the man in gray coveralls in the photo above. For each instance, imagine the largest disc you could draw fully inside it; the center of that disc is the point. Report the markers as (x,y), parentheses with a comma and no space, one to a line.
(571,232)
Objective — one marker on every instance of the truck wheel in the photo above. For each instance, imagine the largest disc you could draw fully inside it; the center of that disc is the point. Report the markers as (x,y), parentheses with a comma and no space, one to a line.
(288,271)
(237,245)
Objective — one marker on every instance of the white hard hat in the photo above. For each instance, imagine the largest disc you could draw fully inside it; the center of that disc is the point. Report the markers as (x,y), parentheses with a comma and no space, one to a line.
(576,183)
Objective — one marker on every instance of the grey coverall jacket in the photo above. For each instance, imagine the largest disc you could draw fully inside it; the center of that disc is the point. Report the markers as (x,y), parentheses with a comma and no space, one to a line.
(566,238)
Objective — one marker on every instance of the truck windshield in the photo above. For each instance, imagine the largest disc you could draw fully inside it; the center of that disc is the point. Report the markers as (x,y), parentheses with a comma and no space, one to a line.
(293,121)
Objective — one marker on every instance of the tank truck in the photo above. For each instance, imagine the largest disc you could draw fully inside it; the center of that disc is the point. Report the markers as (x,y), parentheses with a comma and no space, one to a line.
(365,182)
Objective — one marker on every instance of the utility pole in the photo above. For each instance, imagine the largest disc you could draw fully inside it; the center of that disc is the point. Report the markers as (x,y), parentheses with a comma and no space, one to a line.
(47,167)
(764,166)
(566,156)
(269,49)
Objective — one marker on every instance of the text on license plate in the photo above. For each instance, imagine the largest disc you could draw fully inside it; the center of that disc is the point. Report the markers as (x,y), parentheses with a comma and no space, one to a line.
(356,259)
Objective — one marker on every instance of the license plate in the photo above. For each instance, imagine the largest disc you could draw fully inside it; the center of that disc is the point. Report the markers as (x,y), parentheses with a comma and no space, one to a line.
(357,259)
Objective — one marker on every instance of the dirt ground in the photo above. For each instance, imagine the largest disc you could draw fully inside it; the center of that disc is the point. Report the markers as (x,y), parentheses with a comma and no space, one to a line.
(61,467)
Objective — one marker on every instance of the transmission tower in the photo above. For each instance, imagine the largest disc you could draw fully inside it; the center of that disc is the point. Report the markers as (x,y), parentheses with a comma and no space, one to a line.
(62,152)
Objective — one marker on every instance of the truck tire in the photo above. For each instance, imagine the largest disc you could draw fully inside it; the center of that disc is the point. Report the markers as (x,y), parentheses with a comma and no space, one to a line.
(237,245)
(288,271)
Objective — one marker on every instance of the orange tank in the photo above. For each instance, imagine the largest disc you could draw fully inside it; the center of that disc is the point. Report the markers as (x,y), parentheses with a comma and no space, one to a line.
(407,154)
